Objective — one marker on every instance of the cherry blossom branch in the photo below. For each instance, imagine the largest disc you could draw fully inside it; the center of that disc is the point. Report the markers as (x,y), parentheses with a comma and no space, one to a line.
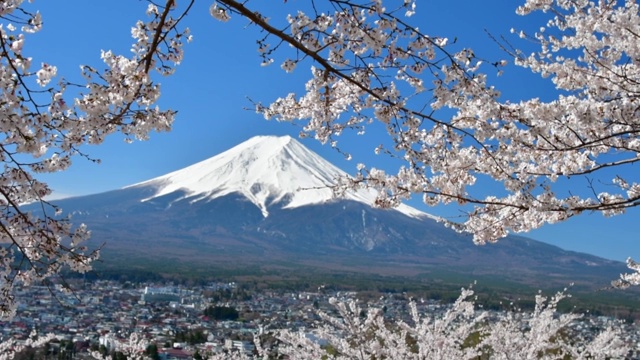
(526,146)
(43,129)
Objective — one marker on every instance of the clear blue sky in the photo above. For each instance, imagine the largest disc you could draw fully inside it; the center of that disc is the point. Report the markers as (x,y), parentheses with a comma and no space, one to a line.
(221,68)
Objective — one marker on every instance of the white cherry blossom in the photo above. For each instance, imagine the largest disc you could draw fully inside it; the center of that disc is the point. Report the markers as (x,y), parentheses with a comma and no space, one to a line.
(452,127)
(43,126)
(463,331)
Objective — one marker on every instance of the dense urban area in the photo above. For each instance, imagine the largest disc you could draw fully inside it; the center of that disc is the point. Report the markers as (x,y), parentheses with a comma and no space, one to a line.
(189,322)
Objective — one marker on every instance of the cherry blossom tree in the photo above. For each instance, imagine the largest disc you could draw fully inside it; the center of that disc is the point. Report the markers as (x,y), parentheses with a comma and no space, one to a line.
(461,332)
(45,121)
(10,347)
(451,127)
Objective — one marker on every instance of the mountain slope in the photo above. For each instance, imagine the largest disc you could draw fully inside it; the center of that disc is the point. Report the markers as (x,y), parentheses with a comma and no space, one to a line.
(266,201)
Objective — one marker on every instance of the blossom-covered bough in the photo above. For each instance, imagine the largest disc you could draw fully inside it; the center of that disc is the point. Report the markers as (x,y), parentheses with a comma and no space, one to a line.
(45,120)
(452,128)
(461,332)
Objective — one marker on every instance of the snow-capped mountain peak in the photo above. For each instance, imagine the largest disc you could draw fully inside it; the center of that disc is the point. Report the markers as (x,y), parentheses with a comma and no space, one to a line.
(267,170)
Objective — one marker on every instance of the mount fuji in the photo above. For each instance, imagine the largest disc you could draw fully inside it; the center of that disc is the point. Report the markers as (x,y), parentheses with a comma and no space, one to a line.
(266,170)
(267,203)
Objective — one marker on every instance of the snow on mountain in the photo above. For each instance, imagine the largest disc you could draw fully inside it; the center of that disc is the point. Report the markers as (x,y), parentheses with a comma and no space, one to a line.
(267,170)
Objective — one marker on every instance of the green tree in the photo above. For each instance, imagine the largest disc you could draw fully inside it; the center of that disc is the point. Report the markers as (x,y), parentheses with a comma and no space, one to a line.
(221,313)
(197,356)
(152,351)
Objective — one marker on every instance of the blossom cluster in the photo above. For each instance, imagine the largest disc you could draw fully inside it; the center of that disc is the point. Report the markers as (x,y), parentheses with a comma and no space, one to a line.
(462,332)
(44,125)
(451,127)
(11,347)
